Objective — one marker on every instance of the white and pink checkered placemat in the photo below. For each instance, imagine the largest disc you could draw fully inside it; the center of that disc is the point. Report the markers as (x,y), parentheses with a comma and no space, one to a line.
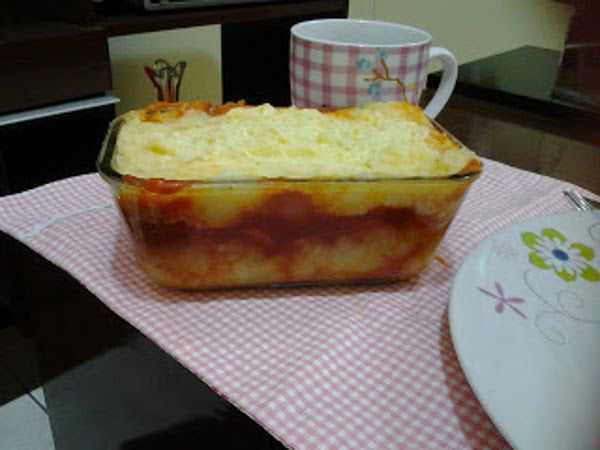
(353,367)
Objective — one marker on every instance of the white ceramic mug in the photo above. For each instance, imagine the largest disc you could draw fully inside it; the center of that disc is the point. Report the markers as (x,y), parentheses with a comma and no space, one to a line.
(349,62)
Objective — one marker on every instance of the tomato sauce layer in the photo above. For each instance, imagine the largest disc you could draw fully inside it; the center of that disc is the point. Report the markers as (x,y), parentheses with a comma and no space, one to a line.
(280,221)
(288,237)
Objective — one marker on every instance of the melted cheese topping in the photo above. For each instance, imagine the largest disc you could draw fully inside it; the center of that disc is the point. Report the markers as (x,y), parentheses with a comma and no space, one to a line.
(379,140)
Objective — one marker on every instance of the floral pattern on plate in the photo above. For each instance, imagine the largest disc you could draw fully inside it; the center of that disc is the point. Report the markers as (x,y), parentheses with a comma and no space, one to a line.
(552,250)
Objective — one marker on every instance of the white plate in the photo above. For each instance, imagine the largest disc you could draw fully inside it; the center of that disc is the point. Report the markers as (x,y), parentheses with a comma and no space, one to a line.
(528,339)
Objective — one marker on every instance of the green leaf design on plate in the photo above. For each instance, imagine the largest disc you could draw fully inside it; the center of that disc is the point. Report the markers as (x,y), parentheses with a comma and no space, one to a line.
(553,234)
(584,250)
(566,275)
(590,274)
(529,239)
(538,261)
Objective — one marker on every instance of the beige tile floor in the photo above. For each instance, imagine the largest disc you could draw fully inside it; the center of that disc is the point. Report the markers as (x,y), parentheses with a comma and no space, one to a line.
(24,425)
(24,422)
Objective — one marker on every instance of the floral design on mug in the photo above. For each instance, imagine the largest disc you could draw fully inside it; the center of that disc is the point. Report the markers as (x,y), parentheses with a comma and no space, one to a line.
(379,68)
(552,250)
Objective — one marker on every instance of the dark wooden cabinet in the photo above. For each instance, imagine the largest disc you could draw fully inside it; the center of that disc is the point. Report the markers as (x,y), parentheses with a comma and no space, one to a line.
(39,151)
(50,66)
(255,59)
(52,62)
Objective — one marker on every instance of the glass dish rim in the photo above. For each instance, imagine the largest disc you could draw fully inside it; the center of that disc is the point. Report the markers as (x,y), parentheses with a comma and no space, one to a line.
(110,175)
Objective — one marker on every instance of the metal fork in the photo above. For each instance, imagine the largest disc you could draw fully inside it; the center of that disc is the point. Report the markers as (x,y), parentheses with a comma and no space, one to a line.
(580,202)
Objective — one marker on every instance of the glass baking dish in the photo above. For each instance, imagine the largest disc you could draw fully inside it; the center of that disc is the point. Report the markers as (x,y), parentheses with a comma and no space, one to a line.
(197,234)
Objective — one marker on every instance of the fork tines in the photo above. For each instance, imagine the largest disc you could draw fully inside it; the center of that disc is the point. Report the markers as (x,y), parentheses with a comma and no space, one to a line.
(580,203)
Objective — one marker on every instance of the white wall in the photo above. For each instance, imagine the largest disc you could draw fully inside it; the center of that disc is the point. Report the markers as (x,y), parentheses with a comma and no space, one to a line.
(200,47)
(473,29)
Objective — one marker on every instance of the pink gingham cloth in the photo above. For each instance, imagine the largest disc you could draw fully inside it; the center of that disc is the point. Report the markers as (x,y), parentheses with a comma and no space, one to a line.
(327,75)
(348,367)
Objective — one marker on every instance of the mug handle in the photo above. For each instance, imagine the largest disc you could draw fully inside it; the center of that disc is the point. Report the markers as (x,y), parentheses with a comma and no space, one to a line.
(444,90)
